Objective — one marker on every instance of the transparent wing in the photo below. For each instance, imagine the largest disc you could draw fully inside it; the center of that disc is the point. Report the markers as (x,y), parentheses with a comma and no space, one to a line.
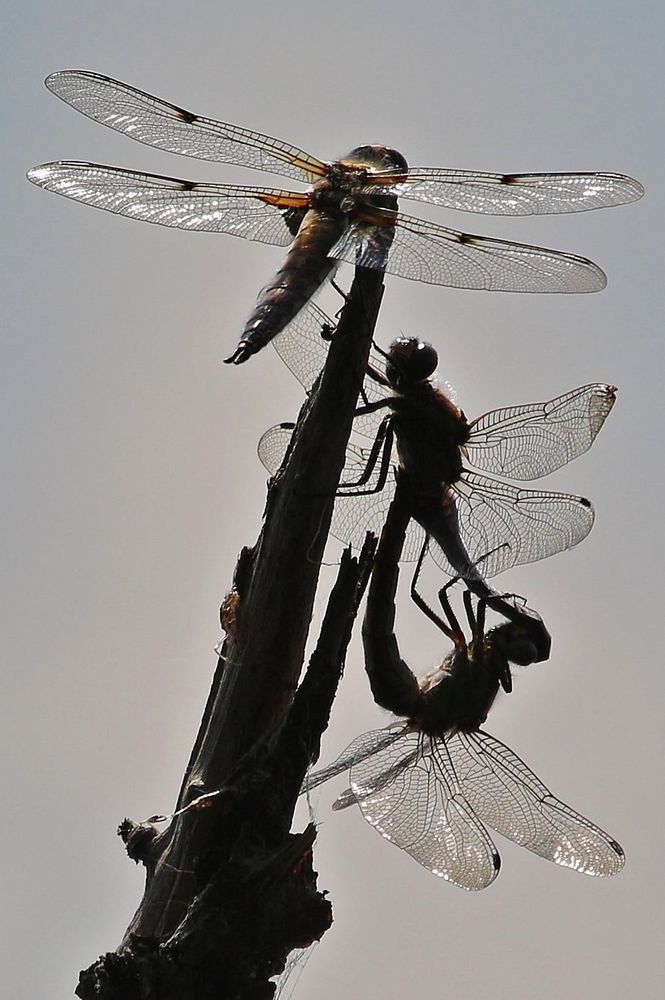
(380,779)
(166,126)
(287,981)
(509,797)
(302,345)
(273,445)
(497,523)
(167,201)
(423,811)
(423,251)
(359,749)
(514,526)
(344,800)
(518,194)
(304,349)
(530,441)
(353,514)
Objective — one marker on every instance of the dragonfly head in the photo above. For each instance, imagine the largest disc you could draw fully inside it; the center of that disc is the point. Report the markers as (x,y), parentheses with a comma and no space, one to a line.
(524,638)
(515,644)
(376,159)
(409,361)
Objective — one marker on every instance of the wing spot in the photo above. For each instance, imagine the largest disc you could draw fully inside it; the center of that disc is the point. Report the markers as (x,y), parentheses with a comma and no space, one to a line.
(186,116)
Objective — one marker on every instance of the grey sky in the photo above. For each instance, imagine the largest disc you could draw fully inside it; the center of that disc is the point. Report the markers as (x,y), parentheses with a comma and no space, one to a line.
(134,481)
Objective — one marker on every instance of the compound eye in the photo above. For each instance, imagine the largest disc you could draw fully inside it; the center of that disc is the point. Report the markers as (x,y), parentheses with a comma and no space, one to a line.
(395,160)
(522,651)
(426,359)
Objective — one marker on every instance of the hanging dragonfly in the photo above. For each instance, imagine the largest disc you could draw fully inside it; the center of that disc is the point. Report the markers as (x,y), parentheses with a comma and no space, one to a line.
(348,213)
(427,439)
(432,782)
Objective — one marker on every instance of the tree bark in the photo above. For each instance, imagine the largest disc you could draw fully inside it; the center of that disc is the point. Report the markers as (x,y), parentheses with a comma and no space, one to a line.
(229,891)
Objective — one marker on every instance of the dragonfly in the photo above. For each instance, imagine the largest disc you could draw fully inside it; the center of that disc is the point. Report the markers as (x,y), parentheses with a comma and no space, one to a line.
(347,213)
(433,782)
(466,514)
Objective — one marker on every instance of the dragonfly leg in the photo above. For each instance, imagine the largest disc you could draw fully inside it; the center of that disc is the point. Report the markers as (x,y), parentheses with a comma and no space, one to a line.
(419,601)
(376,376)
(378,404)
(477,618)
(455,633)
(327,332)
(340,291)
(382,446)
(470,613)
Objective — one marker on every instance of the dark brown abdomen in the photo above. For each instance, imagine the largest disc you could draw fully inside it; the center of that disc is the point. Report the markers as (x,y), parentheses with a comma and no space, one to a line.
(305,268)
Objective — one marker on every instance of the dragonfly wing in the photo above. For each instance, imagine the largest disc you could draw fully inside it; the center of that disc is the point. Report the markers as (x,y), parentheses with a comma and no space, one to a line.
(423,251)
(359,749)
(167,201)
(166,126)
(273,446)
(509,797)
(345,799)
(354,514)
(530,441)
(505,526)
(380,779)
(423,811)
(303,347)
(518,194)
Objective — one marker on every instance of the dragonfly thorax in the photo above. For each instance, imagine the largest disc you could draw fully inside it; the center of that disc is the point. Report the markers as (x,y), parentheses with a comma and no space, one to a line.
(458,695)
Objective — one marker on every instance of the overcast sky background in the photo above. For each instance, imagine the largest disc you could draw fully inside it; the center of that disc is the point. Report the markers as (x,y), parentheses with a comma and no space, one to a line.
(133,479)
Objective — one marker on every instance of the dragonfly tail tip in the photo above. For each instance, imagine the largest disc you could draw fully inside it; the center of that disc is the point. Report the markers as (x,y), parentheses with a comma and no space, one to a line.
(241,354)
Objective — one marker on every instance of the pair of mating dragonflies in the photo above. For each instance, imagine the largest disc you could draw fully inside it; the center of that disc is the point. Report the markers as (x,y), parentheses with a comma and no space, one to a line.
(349,213)
(434,781)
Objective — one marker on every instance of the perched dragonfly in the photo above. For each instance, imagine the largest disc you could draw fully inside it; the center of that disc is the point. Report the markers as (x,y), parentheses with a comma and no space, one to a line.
(348,213)
(467,514)
(431,782)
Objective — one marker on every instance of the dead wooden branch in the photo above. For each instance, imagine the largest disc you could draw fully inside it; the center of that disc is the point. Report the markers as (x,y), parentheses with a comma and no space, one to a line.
(229,891)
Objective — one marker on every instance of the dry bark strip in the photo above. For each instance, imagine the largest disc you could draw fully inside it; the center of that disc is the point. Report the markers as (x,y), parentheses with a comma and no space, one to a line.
(229,891)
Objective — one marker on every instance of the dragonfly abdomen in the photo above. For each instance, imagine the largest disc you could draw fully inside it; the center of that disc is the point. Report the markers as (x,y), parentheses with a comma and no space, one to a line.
(304,269)
(393,684)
